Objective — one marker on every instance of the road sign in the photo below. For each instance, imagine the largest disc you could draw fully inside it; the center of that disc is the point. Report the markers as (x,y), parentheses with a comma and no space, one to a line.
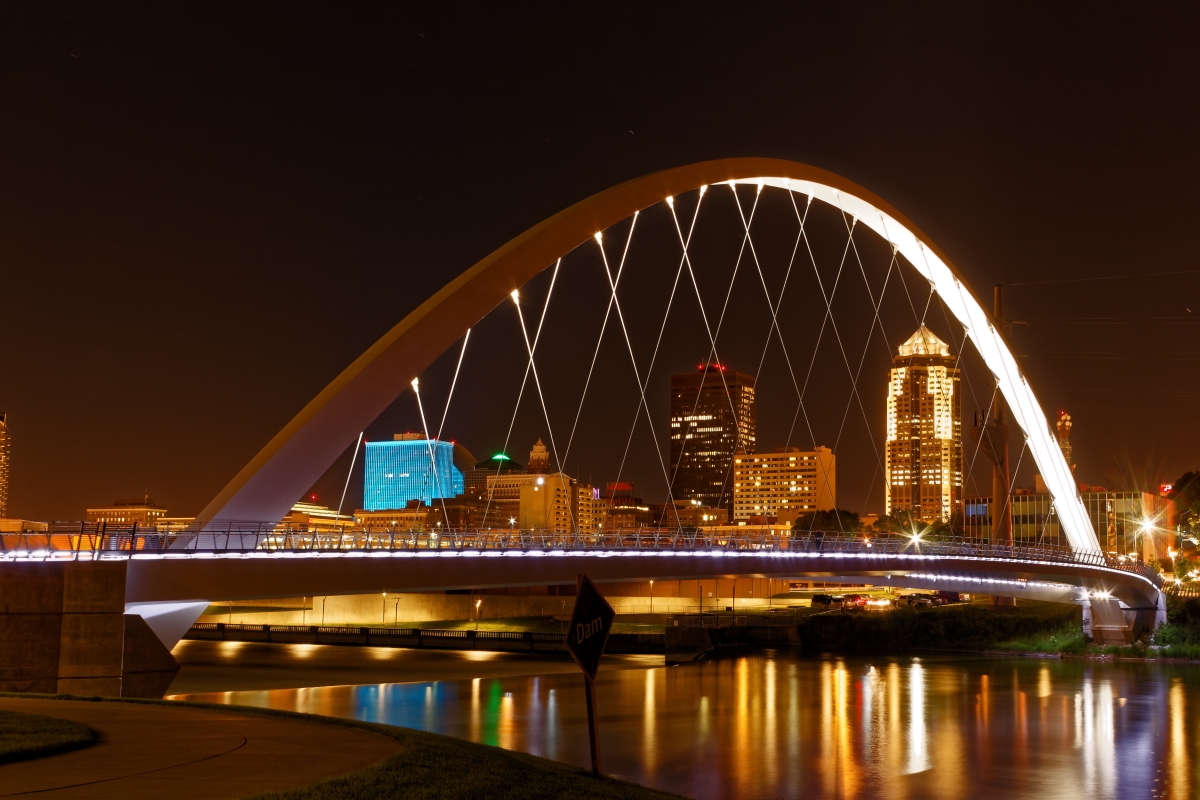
(590,624)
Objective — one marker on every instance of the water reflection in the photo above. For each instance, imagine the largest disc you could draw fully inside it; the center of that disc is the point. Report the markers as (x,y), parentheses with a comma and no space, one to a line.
(780,726)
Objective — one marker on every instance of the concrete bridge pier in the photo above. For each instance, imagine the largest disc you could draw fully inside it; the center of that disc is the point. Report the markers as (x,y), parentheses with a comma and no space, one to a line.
(64,630)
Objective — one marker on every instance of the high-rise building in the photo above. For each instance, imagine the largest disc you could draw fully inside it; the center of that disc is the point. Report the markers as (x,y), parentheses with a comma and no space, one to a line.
(924,469)
(411,467)
(784,484)
(5,449)
(712,419)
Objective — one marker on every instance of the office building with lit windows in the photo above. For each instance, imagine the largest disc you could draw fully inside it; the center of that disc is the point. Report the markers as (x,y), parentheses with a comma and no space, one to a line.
(1137,525)
(5,450)
(141,511)
(411,467)
(712,419)
(784,484)
(924,467)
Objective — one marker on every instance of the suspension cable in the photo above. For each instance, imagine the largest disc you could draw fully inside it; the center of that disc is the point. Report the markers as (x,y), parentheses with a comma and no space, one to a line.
(775,329)
(600,338)
(520,394)
(453,383)
(708,329)
(353,459)
(545,411)
(637,375)
(437,479)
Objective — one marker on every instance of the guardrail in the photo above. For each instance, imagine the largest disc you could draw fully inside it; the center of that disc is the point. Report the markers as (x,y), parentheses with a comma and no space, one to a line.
(85,540)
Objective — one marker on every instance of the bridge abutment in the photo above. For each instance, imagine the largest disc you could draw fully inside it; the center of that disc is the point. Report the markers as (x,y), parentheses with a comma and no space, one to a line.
(64,630)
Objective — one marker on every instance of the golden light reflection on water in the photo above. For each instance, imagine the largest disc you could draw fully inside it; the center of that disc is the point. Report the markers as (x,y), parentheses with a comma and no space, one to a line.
(1178,751)
(650,722)
(779,726)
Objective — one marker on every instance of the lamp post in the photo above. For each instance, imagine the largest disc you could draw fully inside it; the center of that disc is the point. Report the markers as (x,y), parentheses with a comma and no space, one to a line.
(477,602)
(652,597)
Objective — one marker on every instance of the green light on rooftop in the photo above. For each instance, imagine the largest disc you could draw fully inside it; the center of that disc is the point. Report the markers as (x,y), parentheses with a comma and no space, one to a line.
(501,457)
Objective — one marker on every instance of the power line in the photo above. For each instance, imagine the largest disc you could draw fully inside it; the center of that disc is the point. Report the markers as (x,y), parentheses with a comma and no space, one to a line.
(1107,277)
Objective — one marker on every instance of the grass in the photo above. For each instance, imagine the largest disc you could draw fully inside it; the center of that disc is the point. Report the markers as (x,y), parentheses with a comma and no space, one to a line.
(1065,640)
(431,766)
(954,627)
(26,736)
(436,767)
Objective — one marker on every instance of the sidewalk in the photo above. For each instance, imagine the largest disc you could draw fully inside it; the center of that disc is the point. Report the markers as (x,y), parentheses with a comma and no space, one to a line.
(154,751)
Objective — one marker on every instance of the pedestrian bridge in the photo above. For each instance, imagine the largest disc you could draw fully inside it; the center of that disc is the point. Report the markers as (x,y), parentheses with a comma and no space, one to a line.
(180,574)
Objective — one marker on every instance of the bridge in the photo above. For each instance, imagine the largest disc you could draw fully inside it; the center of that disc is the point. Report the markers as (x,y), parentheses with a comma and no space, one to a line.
(237,550)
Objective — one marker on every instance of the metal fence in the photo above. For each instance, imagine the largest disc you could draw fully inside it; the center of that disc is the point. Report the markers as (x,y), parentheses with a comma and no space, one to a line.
(89,540)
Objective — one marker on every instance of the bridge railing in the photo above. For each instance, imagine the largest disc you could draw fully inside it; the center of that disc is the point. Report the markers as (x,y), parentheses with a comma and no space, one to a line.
(93,540)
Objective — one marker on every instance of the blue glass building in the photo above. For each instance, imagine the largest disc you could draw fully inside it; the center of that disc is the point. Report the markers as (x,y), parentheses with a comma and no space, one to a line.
(401,470)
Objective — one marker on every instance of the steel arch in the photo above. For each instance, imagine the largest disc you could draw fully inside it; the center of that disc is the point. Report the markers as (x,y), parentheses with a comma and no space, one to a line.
(265,489)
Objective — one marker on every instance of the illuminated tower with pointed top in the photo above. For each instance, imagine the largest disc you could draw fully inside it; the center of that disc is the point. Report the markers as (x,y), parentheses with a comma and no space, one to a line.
(924,468)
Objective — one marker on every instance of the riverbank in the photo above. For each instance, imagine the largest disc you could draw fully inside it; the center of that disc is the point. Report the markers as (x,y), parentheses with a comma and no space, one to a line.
(140,754)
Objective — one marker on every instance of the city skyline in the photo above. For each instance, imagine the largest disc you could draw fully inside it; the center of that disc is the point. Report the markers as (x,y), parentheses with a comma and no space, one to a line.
(262,212)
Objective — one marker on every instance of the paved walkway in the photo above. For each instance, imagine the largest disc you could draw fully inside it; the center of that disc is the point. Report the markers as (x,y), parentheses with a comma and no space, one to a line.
(155,751)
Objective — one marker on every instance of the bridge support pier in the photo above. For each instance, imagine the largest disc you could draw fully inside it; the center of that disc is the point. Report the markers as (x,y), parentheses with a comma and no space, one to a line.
(64,630)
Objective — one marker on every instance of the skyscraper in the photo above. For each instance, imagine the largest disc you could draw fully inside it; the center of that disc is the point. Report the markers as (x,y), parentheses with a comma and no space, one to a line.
(712,418)
(5,448)
(403,470)
(924,430)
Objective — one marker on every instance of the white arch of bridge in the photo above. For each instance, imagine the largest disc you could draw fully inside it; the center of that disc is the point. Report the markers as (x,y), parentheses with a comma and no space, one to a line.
(265,489)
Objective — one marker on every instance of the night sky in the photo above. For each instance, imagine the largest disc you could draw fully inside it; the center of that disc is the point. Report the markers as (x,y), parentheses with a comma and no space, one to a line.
(208,211)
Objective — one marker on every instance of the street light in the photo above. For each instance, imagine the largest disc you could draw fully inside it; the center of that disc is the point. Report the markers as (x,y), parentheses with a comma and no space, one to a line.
(651,597)
(477,602)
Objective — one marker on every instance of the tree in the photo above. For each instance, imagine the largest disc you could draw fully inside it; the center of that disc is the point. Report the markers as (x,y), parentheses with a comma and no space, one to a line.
(829,521)
(904,523)
(1186,494)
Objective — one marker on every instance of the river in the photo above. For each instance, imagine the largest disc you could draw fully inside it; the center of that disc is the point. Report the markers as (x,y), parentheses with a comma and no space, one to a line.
(774,724)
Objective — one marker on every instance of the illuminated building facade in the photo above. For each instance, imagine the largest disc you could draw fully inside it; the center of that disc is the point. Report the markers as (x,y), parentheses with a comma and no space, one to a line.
(313,517)
(141,511)
(475,479)
(784,484)
(1133,524)
(712,419)
(5,450)
(524,501)
(590,509)
(410,467)
(924,467)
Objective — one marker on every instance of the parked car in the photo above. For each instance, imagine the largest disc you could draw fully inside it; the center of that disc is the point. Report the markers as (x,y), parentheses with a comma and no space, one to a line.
(854,601)
(822,600)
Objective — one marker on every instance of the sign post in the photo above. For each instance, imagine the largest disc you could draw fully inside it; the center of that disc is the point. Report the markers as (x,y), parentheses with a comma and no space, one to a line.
(591,622)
